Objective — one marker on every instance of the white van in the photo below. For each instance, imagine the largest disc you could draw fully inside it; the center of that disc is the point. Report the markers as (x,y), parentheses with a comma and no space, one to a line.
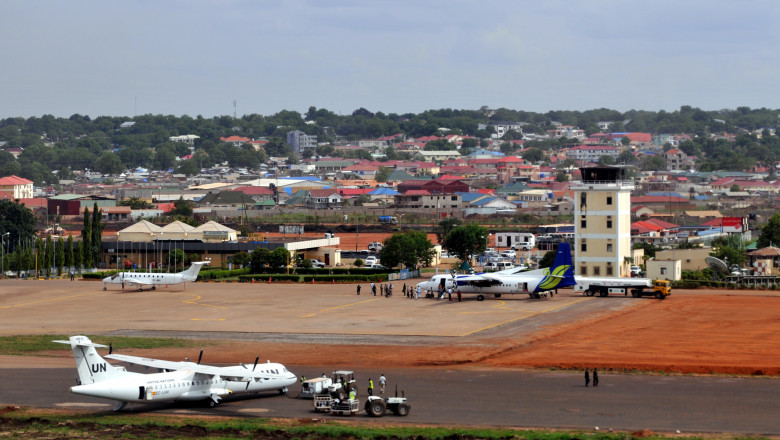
(504,265)
(522,246)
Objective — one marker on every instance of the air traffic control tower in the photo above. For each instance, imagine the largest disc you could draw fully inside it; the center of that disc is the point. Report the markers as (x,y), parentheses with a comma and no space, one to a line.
(602,222)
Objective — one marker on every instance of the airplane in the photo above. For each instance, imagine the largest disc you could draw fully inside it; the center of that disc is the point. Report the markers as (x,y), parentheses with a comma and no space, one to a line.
(535,283)
(143,279)
(178,381)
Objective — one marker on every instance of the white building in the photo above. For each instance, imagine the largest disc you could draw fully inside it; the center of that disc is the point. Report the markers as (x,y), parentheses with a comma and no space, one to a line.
(18,187)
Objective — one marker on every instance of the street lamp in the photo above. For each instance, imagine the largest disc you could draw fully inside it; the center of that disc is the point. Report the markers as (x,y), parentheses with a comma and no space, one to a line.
(2,253)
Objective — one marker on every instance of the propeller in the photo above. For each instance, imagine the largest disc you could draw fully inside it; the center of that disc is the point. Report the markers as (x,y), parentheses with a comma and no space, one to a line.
(200,356)
(257,359)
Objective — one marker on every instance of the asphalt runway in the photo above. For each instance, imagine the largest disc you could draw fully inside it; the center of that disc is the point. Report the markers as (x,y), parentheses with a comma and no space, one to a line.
(481,398)
(333,314)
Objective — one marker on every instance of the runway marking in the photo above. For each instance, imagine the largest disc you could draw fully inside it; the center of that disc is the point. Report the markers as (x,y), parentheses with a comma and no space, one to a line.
(207,319)
(338,307)
(194,301)
(50,300)
(89,405)
(523,317)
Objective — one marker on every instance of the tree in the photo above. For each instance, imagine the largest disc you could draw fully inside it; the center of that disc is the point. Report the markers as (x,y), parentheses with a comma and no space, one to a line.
(734,188)
(78,255)
(181,207)
(606,160)
(408,248)
(60,255)
(108,163)
(382,174)
(533,155)
(49,255)
(69,252)
(18,221)
(466,241)
(260,257)
(136,203)
(279,257)
(648,247)
(242,259)
(97,233)
(358,262)
(86,239)
(770,233)
(177,259)
(726,250)
(548,259)
(445,226)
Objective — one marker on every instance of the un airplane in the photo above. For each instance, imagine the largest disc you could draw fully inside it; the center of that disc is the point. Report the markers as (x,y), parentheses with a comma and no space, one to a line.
(153,279)
(177,381)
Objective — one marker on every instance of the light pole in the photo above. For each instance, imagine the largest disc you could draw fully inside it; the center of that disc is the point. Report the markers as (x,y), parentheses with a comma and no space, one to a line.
(2,253)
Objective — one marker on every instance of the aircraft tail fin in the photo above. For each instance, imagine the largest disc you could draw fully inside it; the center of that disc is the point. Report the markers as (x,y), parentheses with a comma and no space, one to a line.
(192,272)
(90,365)
(562,272)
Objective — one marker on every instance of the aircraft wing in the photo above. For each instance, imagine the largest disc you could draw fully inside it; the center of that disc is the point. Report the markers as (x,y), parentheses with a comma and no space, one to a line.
(136,282)
(479,280)
(228,373)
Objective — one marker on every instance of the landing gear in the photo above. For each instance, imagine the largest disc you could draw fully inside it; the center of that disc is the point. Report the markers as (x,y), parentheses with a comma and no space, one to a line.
(104,288)
(480,297)
(120,406)
(283,391)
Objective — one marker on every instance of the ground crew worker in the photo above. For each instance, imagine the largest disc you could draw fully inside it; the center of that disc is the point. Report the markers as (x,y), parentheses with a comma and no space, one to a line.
(418,292)
(352,394)
(587,378)
(373,288)
(595,378)
(370,387)
(383,382)
(449,293)
(460,298)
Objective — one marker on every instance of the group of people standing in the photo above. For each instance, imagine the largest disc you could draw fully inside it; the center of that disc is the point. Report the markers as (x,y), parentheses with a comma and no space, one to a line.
(595,377)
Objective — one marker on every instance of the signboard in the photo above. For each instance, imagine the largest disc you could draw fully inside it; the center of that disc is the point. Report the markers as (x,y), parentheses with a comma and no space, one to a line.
(216,235)
(291,229)
(734,224)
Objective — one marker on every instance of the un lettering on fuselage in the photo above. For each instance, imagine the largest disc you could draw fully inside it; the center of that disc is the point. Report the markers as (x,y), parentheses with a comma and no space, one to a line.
(98,368)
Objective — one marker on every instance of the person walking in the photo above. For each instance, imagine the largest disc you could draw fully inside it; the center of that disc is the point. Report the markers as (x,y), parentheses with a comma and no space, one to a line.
(373,288)
(370,387)
(403,290)
(383,382)
(595,378)
(587,378)
(418,292)
(72,274)
(449,293)
(381,290)
(358,289)
(460,298)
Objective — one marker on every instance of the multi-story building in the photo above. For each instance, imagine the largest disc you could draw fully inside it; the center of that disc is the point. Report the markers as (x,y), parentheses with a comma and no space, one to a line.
(301,143)
(591,153)
(17,187)
(602,222)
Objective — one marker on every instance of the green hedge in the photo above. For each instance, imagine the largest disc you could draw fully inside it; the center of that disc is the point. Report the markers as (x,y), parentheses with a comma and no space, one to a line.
(219,274)
(97,275)
(326,270)
(321,279)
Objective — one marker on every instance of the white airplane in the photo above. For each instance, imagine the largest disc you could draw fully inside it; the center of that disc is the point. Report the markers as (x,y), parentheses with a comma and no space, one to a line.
(534,283)
(178,381)
(144,279)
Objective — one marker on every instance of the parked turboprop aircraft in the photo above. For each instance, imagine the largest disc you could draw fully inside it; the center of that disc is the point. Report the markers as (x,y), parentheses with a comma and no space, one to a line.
(534,282)
(143,279)
(179,381)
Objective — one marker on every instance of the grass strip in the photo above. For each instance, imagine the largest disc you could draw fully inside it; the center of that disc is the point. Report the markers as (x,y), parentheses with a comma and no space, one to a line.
(21,424)
(30,344)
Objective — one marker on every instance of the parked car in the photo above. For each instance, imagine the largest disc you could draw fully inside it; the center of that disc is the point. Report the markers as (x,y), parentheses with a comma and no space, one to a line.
(509,254)
(490,267)
(371,260)
(317,263)
(522,246)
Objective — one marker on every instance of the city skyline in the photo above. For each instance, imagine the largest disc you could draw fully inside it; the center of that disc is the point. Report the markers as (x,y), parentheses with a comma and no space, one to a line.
(198,57)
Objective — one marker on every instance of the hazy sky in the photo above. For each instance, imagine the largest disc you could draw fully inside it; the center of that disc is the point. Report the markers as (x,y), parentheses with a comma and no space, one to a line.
(195,57)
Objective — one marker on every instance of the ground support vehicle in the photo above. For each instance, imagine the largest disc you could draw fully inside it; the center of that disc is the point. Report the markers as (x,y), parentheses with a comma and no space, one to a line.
(348,407)
(316,386)
(377,406)
(636,286)
(332,389)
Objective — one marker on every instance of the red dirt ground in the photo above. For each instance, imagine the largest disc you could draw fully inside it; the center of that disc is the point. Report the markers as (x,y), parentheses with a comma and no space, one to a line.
(690,333)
